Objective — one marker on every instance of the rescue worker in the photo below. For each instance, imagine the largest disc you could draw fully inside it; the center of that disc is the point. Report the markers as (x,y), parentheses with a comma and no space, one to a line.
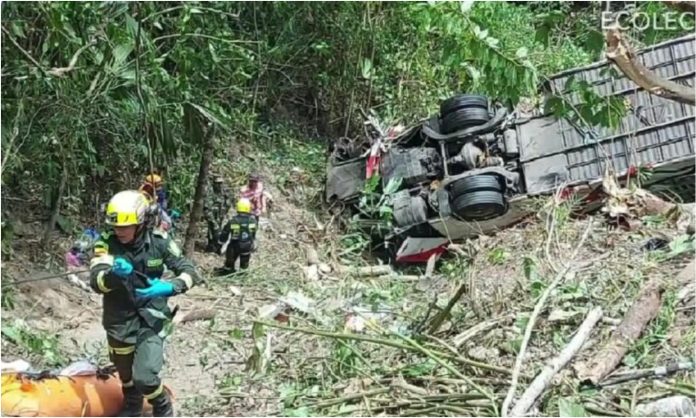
(126,269)
(240,231)
(217,204)
(148,189)
(156,183)
(258,197)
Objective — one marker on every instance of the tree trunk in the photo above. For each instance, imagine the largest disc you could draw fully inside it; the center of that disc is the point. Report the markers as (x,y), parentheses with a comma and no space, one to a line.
(55,211)
(199,196)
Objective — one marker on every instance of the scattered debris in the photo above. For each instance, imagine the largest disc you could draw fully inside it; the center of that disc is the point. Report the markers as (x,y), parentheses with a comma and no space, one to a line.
(674,406)
(658,372)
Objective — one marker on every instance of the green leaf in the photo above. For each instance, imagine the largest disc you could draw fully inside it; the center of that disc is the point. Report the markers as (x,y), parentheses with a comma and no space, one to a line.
(120,53)
(530,268)
(522,53)
(17,30)
(367,68)
(12,333)
(465,5)
(594,41)
(392,186)
(568,408)
(213,54)
(492,42)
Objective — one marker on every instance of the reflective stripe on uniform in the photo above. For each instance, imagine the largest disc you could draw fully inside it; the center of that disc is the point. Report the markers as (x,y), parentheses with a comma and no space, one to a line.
(187,279)
(100,282)
(154,394)
(105,259)
(122,351)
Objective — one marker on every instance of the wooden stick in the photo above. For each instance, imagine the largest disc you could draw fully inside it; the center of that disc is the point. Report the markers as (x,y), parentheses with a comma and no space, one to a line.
(532,320)
(543,379)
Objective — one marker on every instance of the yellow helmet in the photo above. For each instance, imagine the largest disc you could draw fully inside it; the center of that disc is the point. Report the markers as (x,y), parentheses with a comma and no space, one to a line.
(154,179)
(243,205)
(128,207)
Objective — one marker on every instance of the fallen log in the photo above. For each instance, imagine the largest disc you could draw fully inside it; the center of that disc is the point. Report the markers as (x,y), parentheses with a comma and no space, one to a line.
(543,379)
(642,311)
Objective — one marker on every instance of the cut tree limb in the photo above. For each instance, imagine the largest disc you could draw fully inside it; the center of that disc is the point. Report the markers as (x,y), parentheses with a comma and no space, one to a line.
(642,311)
(621,54)
(543,379)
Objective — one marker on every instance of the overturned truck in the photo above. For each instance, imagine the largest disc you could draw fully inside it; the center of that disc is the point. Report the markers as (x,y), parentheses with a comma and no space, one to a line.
(471,168)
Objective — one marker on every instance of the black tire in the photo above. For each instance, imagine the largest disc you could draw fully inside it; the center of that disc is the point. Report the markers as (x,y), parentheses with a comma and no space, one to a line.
(464,118)
(476,183)
(462,101)
(480,205)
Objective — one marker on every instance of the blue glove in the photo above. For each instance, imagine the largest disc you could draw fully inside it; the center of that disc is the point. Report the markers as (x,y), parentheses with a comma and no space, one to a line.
(175,214)
(158,288)
(122,267)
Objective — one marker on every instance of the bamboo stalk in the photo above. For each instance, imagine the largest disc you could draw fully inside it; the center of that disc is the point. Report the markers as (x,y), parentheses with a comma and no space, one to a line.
(384,341)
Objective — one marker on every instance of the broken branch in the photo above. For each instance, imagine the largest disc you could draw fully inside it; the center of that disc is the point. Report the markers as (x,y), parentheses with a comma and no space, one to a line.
(60,72)
(621,54)
(543,379)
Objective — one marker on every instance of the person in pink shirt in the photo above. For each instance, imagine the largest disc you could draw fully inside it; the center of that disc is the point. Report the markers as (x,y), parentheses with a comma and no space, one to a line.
(254,191)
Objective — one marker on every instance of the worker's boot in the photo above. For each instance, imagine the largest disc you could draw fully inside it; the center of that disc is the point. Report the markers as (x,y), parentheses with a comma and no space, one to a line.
(162,406)
(223,271)
(132,403)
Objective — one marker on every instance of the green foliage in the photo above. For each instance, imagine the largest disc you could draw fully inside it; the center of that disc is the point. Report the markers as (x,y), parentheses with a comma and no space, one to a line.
(152,75)
(497,256)
(35,342)
(569,408)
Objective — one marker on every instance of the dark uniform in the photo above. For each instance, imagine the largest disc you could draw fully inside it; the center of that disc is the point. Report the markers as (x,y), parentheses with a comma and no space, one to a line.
(217,204)
(135,328)
(241,231)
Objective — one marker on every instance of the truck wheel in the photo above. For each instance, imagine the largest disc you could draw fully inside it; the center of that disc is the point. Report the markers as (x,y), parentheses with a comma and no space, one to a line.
(462,101)
(480,205)
(476,183)
(464,118)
